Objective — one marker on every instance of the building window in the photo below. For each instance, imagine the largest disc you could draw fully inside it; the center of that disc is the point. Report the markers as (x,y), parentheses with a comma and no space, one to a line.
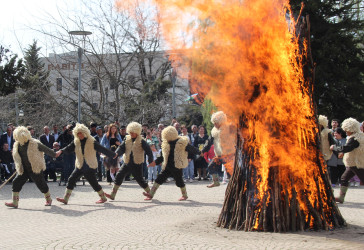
(75,83)
(59,84)
(113,85)
(131,78)
(94,83)
(112,105)
(151,78)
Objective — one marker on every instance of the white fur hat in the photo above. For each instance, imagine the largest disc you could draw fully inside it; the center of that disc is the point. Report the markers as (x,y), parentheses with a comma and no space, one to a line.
(81,128)
(351,125)
(134,127)
(169,134)
(323,121)
(22,135)
(218,117)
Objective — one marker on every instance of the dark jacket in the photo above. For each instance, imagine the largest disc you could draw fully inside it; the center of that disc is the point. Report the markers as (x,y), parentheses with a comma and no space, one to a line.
(48,143)
(4,139)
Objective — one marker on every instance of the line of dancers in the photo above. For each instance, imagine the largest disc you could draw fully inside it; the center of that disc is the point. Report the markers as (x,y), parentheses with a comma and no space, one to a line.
(29,161)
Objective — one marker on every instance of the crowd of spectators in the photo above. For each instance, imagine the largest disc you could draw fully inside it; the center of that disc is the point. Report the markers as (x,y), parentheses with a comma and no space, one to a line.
(112,135)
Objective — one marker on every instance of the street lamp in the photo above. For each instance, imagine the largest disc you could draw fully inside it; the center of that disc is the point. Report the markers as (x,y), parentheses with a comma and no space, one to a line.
(173,79)
(79,52)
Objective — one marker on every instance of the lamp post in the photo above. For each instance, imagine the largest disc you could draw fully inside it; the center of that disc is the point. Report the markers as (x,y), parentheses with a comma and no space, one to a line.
(174,79)
(80,51)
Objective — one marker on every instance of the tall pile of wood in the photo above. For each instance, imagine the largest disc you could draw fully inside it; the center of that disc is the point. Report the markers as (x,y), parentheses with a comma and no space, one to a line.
(284,206)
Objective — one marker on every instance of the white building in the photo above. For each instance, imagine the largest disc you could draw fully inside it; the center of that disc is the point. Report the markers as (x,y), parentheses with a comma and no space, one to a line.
(110,83)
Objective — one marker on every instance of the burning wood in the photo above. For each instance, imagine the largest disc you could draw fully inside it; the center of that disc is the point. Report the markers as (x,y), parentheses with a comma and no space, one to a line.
(288,202)
(253,61)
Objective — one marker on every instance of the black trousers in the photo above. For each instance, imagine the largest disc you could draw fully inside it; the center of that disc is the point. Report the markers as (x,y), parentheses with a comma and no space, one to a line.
(38,179)
(176,173)
(69,165)
(50,169)
(135,169)
(99,170)
(88,173)
(335,173)
(349,173)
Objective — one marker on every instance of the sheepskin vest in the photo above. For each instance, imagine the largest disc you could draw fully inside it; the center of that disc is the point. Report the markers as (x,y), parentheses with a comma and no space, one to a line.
(135,147)
(228,147)
(180,153)
(355,158)
(35,157)
(325,145)
(89,153)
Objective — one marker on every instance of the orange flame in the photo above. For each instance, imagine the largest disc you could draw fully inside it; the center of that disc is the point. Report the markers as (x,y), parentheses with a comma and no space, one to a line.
(244,55)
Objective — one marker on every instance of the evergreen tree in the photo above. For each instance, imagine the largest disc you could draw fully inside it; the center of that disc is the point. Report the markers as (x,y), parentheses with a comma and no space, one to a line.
(35,75)
(207,109)
(337,49)
(36,100)
(11,71)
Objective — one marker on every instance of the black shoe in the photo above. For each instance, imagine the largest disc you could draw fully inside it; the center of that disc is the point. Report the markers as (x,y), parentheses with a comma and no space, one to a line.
(127,179)
(199,178)
(205,179)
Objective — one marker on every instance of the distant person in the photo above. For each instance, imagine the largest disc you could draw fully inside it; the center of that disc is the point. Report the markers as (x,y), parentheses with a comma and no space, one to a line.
(334,124)
(7,138)
(55,132)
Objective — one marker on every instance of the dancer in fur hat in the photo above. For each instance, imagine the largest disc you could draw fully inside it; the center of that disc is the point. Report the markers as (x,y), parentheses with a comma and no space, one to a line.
(220,131)
(353,153)
(327,140)
(28,154)
(174,159)
(132,148)
(85,146)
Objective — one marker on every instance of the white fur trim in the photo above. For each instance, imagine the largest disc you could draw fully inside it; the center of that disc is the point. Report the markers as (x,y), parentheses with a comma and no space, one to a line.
(135,147)
(21,134)
(355,158)
(180,153)
(325,145)
(35,157)
(81,128)
(89,152)
(134,127)
(169,134)
(351,125)
(218,117)
(323,121)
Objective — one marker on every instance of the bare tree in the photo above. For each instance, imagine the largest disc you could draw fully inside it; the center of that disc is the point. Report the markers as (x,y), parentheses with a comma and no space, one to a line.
(126,73)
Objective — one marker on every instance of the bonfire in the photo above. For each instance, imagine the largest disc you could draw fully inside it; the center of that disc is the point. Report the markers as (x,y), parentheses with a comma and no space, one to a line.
(252,59)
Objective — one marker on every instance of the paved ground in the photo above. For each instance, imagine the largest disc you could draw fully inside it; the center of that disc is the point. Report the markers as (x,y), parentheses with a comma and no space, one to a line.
(129,222)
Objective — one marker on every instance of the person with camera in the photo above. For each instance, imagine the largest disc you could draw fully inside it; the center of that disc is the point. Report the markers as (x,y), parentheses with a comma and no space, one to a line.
(64,140)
